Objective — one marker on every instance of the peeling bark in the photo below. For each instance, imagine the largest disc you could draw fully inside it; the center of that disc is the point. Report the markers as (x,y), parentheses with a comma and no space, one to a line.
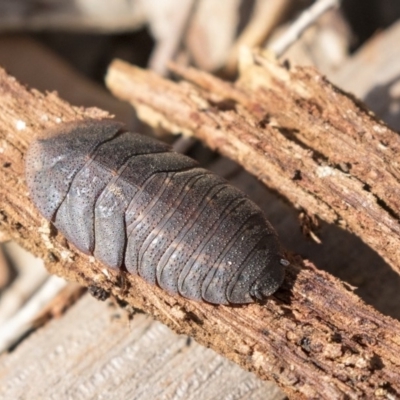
(300,135)
(314,337)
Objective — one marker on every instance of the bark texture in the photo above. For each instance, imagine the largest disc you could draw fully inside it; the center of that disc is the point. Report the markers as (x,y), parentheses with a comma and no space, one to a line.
(314,337)
(316,145)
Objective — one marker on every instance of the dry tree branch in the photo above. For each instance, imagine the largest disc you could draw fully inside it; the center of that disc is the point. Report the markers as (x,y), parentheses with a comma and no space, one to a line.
(168,22)
(23,321)
(266,16)
(314,337)
(307,18)
(293,130)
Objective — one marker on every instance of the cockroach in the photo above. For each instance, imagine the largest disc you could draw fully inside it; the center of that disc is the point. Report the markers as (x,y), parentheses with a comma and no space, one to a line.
(136,205)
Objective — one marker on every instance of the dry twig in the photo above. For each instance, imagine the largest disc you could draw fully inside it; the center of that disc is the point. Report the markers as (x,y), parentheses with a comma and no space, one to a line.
(307,18)
(294,131)
(23,321)
(266,16)
(315,338)
(13,298)
(168,21)
(291,130)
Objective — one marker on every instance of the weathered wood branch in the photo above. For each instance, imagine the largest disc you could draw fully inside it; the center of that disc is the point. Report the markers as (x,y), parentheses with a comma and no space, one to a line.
(315,338)
(311,142)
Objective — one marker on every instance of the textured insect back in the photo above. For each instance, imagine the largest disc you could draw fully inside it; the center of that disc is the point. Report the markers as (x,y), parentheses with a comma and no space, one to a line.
(123,198)
(53,162)
(135,204)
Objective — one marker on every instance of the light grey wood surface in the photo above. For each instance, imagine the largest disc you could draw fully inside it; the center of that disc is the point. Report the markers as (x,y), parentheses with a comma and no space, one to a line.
(94,352)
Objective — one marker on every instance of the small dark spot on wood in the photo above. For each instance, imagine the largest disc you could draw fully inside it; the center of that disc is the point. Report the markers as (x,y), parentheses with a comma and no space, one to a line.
(364,340)
(52,258)
(305,344)
(345,167)
(121,283)
(389,389)
(188,341)
(190,316)
(7,165)
(52,230)
(286,64)
(297,175)
(224,105)
(376,363)
(290,133)
(98,292)
(122,303)
(336,338)
(264,122)
(389,210)
(350,350)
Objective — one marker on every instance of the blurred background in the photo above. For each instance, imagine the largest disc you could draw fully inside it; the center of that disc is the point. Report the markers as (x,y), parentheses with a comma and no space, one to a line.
(50,44)
(67,45)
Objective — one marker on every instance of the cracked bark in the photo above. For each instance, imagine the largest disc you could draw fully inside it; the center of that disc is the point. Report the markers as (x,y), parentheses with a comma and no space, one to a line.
(314,337)
(300,135)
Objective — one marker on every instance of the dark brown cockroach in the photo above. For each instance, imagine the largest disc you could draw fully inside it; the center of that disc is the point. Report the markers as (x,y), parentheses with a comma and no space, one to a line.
(136,205)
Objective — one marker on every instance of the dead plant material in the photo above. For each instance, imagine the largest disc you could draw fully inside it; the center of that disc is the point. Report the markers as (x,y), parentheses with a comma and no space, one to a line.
(315,338)
(300,135)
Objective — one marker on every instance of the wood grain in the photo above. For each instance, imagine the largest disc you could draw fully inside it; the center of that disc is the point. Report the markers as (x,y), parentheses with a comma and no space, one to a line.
(300,135)
(106,356)
(315,338)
